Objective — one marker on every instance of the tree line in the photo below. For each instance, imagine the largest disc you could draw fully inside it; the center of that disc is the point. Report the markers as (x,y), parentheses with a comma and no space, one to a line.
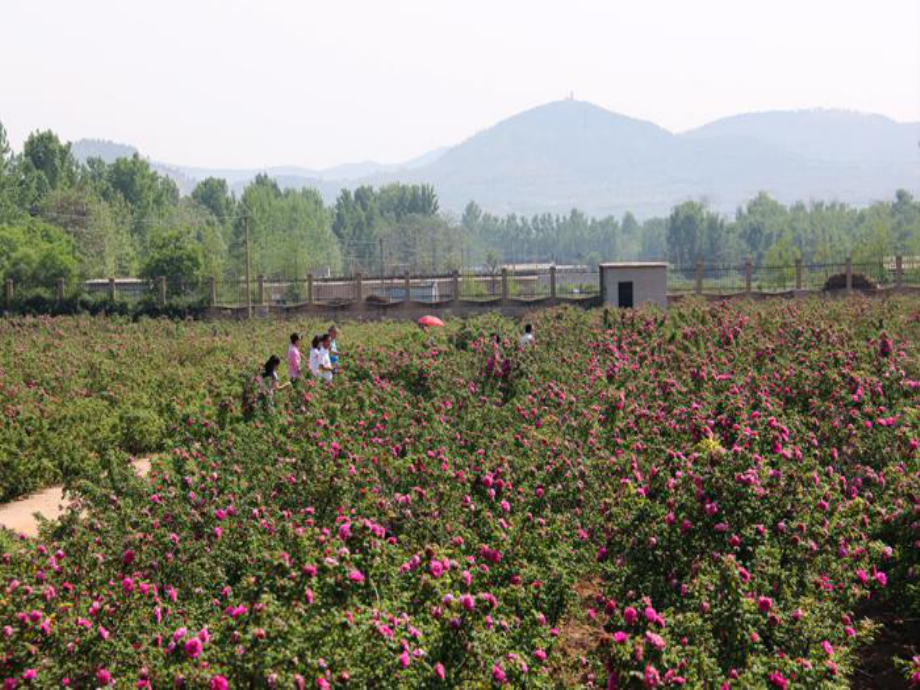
(63,219)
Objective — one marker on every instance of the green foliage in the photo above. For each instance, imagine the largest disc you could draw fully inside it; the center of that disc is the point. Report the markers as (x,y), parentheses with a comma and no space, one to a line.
(289,232)
(102,241)
(174,255)
(716,494)
(147,194)
(695,234)
(781,257)
(113,211)
(50,160)
(36,254)
(214,195)
(400,220)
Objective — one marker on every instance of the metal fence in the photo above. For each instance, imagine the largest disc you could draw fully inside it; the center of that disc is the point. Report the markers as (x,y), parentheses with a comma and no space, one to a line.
(518,284)
(577,282)
(515,283)
(722,279)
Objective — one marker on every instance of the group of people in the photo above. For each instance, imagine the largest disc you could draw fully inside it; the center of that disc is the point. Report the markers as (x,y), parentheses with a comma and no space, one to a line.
(322,364)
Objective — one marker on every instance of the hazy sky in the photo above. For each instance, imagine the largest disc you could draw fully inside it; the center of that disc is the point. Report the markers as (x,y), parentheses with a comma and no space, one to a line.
(235,83)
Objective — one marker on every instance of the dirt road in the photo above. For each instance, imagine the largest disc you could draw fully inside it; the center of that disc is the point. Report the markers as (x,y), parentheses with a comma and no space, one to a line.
(19,515)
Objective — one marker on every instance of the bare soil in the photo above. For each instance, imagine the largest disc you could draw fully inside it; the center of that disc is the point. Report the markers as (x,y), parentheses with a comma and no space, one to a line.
(19,516)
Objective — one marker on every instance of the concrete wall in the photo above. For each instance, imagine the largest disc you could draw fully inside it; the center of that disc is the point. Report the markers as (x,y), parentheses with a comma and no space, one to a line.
(403,310)
(757,296)
(650,283)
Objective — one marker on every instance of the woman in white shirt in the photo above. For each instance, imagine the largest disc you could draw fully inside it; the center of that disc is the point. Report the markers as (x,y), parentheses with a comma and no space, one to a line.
(314,356)
(324,368)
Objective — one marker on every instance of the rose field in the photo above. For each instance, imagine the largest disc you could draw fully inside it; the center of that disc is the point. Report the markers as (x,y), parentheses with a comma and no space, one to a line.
(719,496)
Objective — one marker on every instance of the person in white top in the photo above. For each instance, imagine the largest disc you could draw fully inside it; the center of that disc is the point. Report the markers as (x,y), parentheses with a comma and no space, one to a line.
(314,356)
(527,338)
(324,368)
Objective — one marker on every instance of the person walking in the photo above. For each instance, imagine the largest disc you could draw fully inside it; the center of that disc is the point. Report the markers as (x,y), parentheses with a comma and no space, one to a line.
(270,384)
(324,368)
(294,359)
(314,356)
(333,347)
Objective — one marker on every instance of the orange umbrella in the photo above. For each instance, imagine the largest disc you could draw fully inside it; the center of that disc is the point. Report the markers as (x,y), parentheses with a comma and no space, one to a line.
(430,322)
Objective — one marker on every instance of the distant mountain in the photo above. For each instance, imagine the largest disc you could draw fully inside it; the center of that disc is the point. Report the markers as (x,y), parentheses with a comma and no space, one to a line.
(355,171)
(569,154)
(828,135)
(555,157)
(108,151)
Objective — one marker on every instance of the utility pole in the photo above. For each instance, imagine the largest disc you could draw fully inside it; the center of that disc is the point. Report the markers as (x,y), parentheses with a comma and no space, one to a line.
(383,265)
(248,265)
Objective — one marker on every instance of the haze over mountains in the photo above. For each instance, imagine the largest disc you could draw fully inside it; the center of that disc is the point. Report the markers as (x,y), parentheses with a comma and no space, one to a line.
(569,154)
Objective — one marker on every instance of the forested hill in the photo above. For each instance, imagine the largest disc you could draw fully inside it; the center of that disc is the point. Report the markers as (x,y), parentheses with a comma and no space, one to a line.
(569,154)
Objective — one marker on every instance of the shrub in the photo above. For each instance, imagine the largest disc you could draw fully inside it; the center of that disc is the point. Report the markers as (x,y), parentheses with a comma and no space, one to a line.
(723,493)
(838,281)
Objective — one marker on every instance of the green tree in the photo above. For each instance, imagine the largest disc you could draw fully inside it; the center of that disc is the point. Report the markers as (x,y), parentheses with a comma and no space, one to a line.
(9,200)
(779,262)
(174,255)
(759,225)
(147,195)
(47,156)
(684,233)
(36,255)
(209,235)
(874,248)
(654,240)
(472,215)
(356,222)
(213,194)
(102,244)
(905,214)
(289,232)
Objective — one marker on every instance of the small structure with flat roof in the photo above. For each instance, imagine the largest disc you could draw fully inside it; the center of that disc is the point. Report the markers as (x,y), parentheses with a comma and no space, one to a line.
(630,285)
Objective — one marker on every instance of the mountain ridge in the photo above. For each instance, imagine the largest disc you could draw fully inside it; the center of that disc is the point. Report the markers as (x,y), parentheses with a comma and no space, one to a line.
(565,154)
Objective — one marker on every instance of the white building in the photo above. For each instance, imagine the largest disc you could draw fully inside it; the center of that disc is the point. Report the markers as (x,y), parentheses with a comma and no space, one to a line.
(633,284)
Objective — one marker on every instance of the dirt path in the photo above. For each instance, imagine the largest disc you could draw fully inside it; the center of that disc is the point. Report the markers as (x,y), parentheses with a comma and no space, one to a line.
(19,515)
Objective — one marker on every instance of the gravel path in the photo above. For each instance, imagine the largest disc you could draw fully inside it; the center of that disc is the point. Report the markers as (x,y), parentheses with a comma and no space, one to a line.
(19,515)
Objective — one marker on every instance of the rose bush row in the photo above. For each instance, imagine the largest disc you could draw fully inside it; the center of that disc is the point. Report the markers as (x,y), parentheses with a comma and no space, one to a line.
(714,496)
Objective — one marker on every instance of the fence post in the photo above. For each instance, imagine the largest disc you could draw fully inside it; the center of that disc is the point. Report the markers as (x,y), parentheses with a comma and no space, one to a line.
(455,286)
(699,278)
(161,290)
(310,289)
(748,273)
(261,283)
(552,282)
(849,270)
(60,291)
(359,288)
(899,271)
(408,288)
(798,274)
(112,289)
(10,293)
(213,285)
(504,284)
